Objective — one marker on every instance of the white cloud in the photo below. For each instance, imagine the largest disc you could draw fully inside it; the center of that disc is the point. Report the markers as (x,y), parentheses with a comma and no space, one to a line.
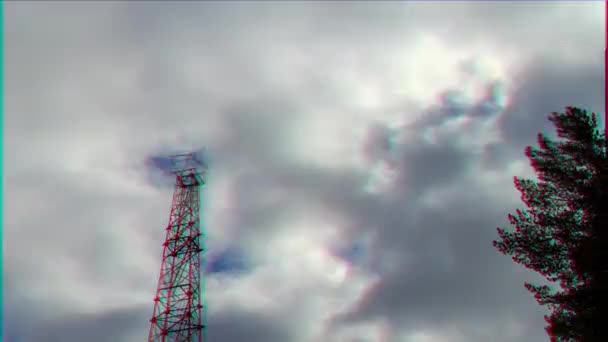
(285,96)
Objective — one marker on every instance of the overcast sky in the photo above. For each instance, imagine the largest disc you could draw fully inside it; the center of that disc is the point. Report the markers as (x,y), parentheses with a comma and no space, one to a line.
(362,156)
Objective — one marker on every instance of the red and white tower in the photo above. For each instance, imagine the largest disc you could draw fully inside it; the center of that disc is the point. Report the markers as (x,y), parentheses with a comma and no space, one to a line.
(179,306)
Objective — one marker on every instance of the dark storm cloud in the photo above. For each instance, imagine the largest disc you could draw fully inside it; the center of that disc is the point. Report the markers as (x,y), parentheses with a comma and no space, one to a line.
(492,103)
(240,325)
(230,260)
(25,320)
(448,264)
(379,142)
(352,253)
(497,156)
(549,87)
(450,269)
(430,165)
(112,325)
(252,134)
(425,164)
(131,324)
(266,197)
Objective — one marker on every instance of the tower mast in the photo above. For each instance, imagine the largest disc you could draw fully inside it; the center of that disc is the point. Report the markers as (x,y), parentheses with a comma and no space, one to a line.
(179,310)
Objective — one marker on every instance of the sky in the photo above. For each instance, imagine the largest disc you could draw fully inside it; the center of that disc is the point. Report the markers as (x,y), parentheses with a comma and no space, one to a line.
(361,157)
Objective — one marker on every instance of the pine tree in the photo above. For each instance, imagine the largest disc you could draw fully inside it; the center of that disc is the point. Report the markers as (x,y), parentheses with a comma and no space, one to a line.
(562,234)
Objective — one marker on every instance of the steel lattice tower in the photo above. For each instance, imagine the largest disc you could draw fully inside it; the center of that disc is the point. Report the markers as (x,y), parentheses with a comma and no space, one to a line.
(179,310)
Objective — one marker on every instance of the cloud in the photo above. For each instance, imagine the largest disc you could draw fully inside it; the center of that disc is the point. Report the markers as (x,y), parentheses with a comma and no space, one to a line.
(230,260)
(396,128)
(111,325)
(235,325)
(551,83)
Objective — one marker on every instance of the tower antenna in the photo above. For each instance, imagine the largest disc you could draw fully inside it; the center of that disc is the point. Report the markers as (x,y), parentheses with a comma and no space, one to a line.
(179,306)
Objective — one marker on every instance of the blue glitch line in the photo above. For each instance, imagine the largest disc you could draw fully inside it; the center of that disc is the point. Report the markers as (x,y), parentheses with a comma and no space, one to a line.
(1,159)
